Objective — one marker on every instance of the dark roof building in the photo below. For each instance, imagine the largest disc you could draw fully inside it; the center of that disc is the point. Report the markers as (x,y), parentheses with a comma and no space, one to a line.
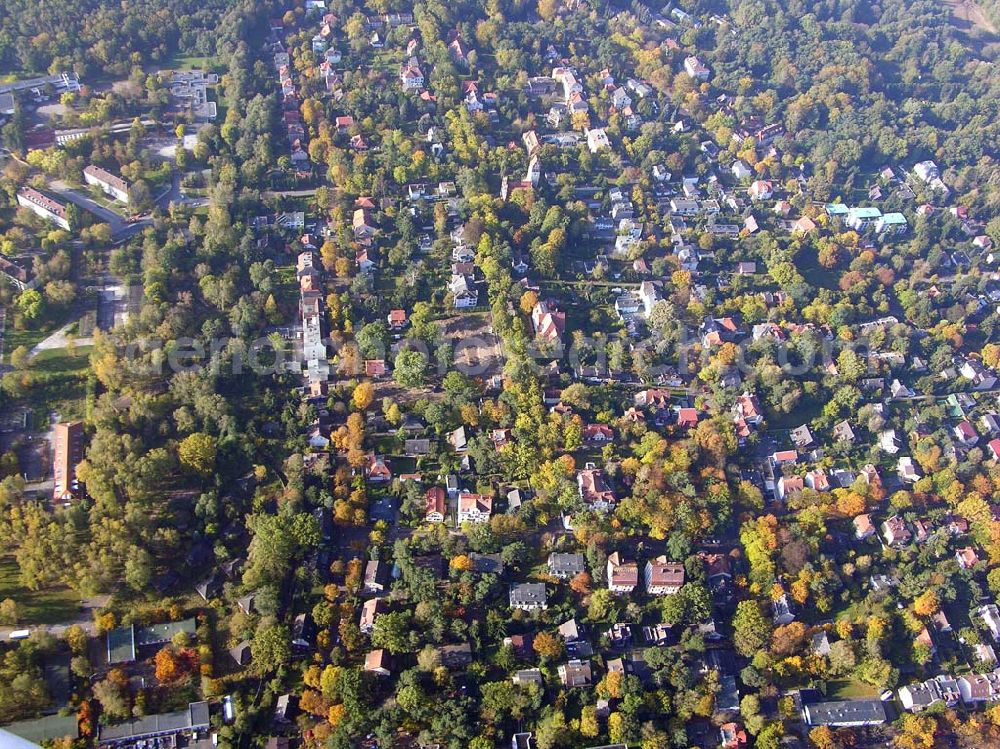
(565,566)
(188,722)
(844,713)
(528,596)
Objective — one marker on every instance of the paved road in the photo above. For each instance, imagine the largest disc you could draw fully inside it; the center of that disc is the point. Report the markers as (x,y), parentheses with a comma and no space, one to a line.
(120,229)
(58,339)
(291,193)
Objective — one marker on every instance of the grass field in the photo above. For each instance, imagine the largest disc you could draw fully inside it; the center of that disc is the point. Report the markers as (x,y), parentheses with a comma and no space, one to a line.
(27,338)
(47,606)
(60,381)
(849,689)
(188,62)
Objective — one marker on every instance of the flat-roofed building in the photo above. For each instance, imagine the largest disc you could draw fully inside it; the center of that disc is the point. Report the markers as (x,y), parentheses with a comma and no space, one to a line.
(189,722)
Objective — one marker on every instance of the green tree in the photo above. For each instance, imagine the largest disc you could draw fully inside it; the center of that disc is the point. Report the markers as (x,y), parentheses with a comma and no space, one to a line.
(751,630)
(197,453)
(392,632)
(8,612)
(410,368)
(30,304)
(270,647)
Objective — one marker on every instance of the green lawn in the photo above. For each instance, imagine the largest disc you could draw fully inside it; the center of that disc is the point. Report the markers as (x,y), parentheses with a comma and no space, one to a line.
(47,606)
(60,382)
(849,689)
(27,338)
(189,62)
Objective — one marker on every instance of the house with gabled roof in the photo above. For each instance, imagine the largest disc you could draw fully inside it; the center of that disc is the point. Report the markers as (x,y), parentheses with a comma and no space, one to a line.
(967,557)
(863,527)
(474,508)
(411,76)
(377,662)
(622,574)
(576,673)
(435,505)
(594,490)
(370,611)
(896,532)
(528,597)
(566,566)
(377,470)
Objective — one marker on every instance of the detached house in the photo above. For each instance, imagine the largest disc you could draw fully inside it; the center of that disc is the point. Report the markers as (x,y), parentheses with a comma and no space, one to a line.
(781,610)
(528,597)
(967,558)
(435,505)
(594,490)
(989,615)
(376,577)
(549,323)
(760,190)
(979,688)
(907,470)
(600,434)
(966,433)
(411,76)
(696,69)
(597,139)
(377,470)
(463,291)
(377,662)
(623,575)
(474,508)
(566,566)
(362,224)
(863,527)
(789,485)
(663,577)
(576,673)
(896,532)
(370,611)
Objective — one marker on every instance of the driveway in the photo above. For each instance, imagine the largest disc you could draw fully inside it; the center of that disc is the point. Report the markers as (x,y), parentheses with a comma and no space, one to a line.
(83,617)
(58,339)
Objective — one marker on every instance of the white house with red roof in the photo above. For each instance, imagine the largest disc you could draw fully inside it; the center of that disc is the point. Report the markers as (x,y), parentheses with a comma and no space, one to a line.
(435,505)
(474,508)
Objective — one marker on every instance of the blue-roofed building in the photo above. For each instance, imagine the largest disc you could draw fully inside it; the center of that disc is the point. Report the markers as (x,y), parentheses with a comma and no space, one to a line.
(891,223)
(836,209)
(860,218)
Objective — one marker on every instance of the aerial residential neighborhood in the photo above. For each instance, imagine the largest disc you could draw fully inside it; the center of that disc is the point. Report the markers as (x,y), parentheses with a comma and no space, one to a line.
(552,375)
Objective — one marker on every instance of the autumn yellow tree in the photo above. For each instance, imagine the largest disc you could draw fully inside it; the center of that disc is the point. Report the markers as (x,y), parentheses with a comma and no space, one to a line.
(336,714)
(363,396)
(197,453)
(926,603)
(822,737)
(916,732)
(547,645)
(168,665)
(528,301)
